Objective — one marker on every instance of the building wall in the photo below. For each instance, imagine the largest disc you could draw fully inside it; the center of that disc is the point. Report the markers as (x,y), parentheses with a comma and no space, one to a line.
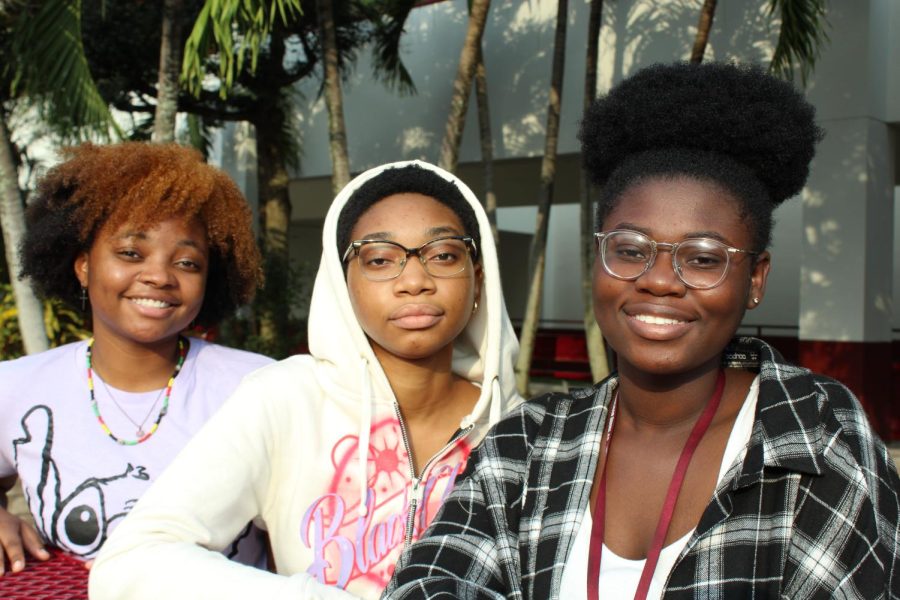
(834,270)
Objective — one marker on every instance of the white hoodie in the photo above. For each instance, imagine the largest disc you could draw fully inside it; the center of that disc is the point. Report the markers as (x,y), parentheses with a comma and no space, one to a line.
(313,450)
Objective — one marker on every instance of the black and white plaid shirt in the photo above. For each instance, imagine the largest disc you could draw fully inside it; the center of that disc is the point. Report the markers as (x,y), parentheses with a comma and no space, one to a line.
(810,512)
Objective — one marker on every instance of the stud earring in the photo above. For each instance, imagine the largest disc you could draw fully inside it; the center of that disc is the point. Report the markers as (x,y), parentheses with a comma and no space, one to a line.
(84,298)
(755,300)
(475,307)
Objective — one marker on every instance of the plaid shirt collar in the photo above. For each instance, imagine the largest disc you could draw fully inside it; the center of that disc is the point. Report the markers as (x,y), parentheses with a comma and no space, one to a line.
(788,414)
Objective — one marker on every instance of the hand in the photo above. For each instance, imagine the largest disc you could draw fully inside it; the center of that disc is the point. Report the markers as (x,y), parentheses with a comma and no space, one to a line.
(16,537)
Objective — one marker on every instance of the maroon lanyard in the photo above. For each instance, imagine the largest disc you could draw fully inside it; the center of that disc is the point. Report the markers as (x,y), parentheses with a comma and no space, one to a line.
(665,518)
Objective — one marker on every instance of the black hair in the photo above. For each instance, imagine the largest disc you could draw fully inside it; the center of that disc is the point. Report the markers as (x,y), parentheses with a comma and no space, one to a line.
(411,179)
(735,126)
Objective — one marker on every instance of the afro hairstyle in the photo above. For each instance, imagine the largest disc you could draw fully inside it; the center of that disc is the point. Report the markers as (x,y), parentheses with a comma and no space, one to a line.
(411,179)
(736,126)
(141,184)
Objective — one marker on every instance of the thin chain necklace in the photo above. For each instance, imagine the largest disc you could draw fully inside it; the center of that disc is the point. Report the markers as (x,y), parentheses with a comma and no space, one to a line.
(139,426)
(142,437)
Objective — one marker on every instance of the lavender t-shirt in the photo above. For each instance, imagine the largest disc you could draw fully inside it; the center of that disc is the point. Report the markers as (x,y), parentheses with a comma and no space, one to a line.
(78,482)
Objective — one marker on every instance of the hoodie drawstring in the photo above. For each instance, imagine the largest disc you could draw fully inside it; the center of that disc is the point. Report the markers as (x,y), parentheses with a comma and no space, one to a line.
(365,429)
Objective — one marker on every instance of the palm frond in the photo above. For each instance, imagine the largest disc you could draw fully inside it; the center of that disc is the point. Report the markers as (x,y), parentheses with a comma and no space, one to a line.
(232,28)
(803,32)
(388,18)
(198,134)
(51,69)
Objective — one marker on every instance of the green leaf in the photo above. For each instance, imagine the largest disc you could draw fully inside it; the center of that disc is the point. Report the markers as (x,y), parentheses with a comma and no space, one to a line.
(803,32)
(51,69)
(224,25)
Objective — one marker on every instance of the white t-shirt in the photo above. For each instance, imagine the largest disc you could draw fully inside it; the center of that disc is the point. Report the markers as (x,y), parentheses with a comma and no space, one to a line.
(619,577)
(78,482)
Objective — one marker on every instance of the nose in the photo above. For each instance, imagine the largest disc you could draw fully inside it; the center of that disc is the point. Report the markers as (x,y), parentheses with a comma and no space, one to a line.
(661,279)
(414,279)
(157,274)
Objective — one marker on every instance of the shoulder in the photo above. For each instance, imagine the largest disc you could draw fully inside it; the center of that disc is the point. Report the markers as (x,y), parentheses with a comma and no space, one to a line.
(813,411)
(28,367)
(279,385)
(552,418)
(228,359)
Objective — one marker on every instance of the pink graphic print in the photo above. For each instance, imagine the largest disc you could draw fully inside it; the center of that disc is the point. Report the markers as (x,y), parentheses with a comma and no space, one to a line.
(347,546)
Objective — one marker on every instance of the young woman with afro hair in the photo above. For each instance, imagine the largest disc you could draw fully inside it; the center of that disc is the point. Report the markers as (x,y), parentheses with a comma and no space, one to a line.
(147,240)
(705,466)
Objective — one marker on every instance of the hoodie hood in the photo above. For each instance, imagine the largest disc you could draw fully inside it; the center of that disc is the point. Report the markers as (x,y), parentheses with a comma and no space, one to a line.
(484,353)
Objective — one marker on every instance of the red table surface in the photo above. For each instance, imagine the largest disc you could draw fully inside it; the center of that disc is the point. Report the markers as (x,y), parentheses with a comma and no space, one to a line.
(62,577)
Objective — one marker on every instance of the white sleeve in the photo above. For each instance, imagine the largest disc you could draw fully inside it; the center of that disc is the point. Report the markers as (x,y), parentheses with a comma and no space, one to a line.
(168,546)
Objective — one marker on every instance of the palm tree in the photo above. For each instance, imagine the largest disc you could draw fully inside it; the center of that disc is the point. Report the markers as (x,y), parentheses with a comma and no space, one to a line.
(707,13)
(538,253)
(43,47)
(803,31)
(337,132)
(12,219)
(169,69)
(462,84)
(487,144)
(595,347)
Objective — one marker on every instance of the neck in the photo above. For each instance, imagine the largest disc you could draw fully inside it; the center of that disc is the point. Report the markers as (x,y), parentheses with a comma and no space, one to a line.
(423,387)
(664,404)
(134,367)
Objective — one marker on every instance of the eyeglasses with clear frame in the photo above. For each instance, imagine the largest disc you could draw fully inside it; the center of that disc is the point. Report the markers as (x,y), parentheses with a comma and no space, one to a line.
(699,263)
(383,260)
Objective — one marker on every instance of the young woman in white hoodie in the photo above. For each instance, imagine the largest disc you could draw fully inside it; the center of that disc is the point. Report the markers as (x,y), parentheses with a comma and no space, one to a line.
(346,454)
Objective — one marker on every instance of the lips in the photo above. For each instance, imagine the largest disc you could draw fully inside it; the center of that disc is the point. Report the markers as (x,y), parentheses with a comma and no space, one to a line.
(151,303)
(416,316)
(657,322)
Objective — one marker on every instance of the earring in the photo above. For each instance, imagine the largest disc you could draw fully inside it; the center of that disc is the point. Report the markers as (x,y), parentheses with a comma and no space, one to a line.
(84,298)
(475,307)
(755,300)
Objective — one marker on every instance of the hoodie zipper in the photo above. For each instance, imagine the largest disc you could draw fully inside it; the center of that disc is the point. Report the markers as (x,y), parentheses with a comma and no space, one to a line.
(415,492)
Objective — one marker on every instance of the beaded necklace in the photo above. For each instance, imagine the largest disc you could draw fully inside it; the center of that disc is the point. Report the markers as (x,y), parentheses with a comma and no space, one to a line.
(162,411)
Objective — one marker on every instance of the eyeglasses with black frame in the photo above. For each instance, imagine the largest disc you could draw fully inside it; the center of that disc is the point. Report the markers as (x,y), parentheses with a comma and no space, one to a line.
(699,263)
(382,260)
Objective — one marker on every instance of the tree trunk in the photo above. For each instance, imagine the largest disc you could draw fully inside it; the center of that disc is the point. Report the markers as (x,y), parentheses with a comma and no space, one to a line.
(169,69)
(275,212)
(595,347)
(703,27)
(12,220)
(537,256)
(337,133)
(462,85)
(487,145)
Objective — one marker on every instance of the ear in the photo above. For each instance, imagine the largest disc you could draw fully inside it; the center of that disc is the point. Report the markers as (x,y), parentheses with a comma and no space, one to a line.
(479,282)
(758,277)
(81,269)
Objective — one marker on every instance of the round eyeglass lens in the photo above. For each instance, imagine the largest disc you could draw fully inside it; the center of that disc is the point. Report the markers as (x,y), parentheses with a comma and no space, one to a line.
(625,254)
(701,263)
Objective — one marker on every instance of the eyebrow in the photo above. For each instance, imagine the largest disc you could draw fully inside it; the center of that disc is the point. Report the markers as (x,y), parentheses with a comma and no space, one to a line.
(140,235)
(690,235)
(433,231)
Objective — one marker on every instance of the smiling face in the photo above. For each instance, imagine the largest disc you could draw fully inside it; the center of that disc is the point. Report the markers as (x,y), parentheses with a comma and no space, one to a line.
(414,316)
(145,285)
(656,324)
